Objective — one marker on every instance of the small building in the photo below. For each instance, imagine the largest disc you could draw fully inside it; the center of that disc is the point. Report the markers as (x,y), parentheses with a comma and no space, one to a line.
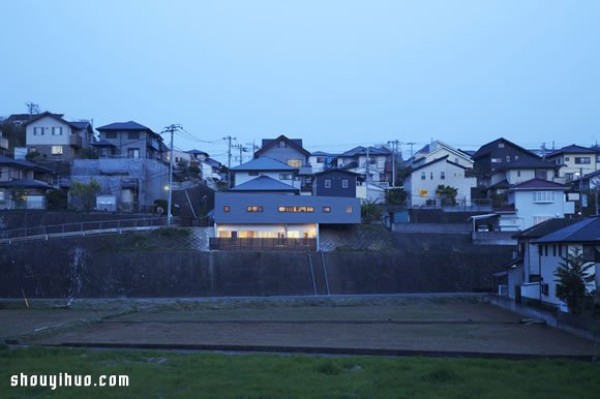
(574,162)
(132,140)
(335,183)
(265,166)
(23,184)
(275,221)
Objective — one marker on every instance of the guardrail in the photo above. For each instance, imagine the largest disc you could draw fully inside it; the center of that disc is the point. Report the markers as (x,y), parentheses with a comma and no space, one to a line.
(82,229)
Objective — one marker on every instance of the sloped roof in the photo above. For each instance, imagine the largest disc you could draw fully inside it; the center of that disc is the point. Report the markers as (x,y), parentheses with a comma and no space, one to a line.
(329,171)
(26,183)
(584,231)
(321,153)
(270,143)
(486,149)
(197,152)
(528,163)
(539,184)
(81,125)
(22,164)
(501,184)
(264,183)
(58,117)
(572,149)
(444,158)
(546,227)
(360,150)
(131,125)
(263,163)
(103,143)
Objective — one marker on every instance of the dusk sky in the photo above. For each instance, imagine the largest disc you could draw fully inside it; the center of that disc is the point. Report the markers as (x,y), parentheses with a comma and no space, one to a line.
(335,73)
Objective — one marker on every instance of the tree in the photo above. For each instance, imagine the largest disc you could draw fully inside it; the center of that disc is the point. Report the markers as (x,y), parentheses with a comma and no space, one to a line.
(86,193)
(370,212)
(56,200)
(395,196)
(447,194)
(572,275)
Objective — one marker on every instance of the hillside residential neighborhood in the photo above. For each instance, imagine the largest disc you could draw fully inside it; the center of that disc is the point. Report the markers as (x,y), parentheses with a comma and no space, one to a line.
(542,202)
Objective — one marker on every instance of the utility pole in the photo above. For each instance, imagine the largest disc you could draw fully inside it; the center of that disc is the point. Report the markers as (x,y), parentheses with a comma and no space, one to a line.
(242,149)
(171,129)
(229,138)
(394,144)
(367,169)
(253,146)
(411,144)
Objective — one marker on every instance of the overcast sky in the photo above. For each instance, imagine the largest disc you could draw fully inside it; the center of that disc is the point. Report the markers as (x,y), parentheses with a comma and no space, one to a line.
(335,73)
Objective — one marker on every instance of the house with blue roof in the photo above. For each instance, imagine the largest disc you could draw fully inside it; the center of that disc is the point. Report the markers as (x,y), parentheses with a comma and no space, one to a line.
(272,221)
(130,140)
(55,138)
(265,166)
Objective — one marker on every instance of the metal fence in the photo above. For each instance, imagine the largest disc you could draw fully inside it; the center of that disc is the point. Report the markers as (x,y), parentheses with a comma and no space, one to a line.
(82,229)
(246,244)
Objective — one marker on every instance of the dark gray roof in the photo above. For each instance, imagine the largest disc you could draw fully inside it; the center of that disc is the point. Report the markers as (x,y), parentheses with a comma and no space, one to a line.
(263,164)
(546,227)
(539,184)
(488,148)
(444,158)
(103,143)
(571,149)
(80,125)
(330,171)
(197,152)
(270,203)
(270,143)
(26,183)
(264,183)
(131,125)
(58,117)
(360,150)
(23,164)
(584,231)
(528,163)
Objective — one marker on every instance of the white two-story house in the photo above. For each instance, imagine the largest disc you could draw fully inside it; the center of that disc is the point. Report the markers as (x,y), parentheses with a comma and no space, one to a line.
(55,138)
(574,162)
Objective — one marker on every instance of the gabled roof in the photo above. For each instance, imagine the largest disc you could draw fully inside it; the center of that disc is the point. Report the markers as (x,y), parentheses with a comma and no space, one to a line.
(500,185)
(571,149)
(26,183)
(197,152)
(487,149)
(528,163)
(584,231)
(23,164)
(539,184)
(58,117)
(546,227)
(81,125)
(360,150)
(264,183)
(321,153)
(267,144)
(263,164)
(131,125)
(330,171)
(444,158)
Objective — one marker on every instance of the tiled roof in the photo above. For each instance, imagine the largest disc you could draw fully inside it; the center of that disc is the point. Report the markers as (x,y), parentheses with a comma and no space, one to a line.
(264,183)
(270,143)
(103,143)
(360,150)
(528,163)
(26,183)
(80,125)
(546,227)
(572,149)
(263,163)
(131,125)
(584,231)
(539,184)
(489,147)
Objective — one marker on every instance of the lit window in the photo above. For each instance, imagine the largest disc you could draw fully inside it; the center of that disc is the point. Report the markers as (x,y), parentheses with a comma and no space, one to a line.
(327,183)
(295,163)
(254,208)
(282,144)
(56,150)
(226,208)
(496,160)
(296,209)
(500,145)
(349,209)
(326,209)
(344,183)
(285,176)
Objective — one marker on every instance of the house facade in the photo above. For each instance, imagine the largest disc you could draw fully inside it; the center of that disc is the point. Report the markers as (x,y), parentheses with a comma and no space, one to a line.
(335,183)
(574,162)
(277,221)
(132,140)
(438,149)
(372,162)
(55,138)
(422,183)
(265,166)
(22,185)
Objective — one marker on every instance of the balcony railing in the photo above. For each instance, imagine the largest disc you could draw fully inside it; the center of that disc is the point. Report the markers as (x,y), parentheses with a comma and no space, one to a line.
(276,244)
(75,140)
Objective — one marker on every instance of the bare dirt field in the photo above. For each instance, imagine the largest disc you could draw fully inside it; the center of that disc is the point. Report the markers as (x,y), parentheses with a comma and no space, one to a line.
(384,325)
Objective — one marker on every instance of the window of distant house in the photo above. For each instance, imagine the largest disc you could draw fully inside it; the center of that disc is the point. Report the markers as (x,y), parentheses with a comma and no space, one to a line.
(103,152)
(518,173)
(133,135)
(110,135)
(253,173)
(567,159)
(38,131)
(56,150)
(327,183)
(2,196)
(282,144)
(442,175)
(500,145)
(320,159)
(326,209)
(582,160)
(285,176)
(344,183)
(31,149)
(430,175)
(57,131)
(597,158)
(254,208)
(496,160)
(349,209)
(133,153)
(226,208)
(423,176)
(543,196)
(508,158)
(295,163)
(569,176)
(516,157)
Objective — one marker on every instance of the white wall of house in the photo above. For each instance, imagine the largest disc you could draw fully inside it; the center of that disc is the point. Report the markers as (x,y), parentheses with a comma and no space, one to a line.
(576,165)
(424,182)
(47,131)
(317,163)
(535,206)
(439,150)
(286,177)
(370,193)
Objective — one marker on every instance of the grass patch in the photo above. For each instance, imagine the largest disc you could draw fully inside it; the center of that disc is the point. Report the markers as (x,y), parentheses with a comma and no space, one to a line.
(175,375)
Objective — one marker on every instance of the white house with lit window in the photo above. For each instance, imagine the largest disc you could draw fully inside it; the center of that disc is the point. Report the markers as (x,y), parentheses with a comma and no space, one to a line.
(265,166)
(55,138)
(574,162)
